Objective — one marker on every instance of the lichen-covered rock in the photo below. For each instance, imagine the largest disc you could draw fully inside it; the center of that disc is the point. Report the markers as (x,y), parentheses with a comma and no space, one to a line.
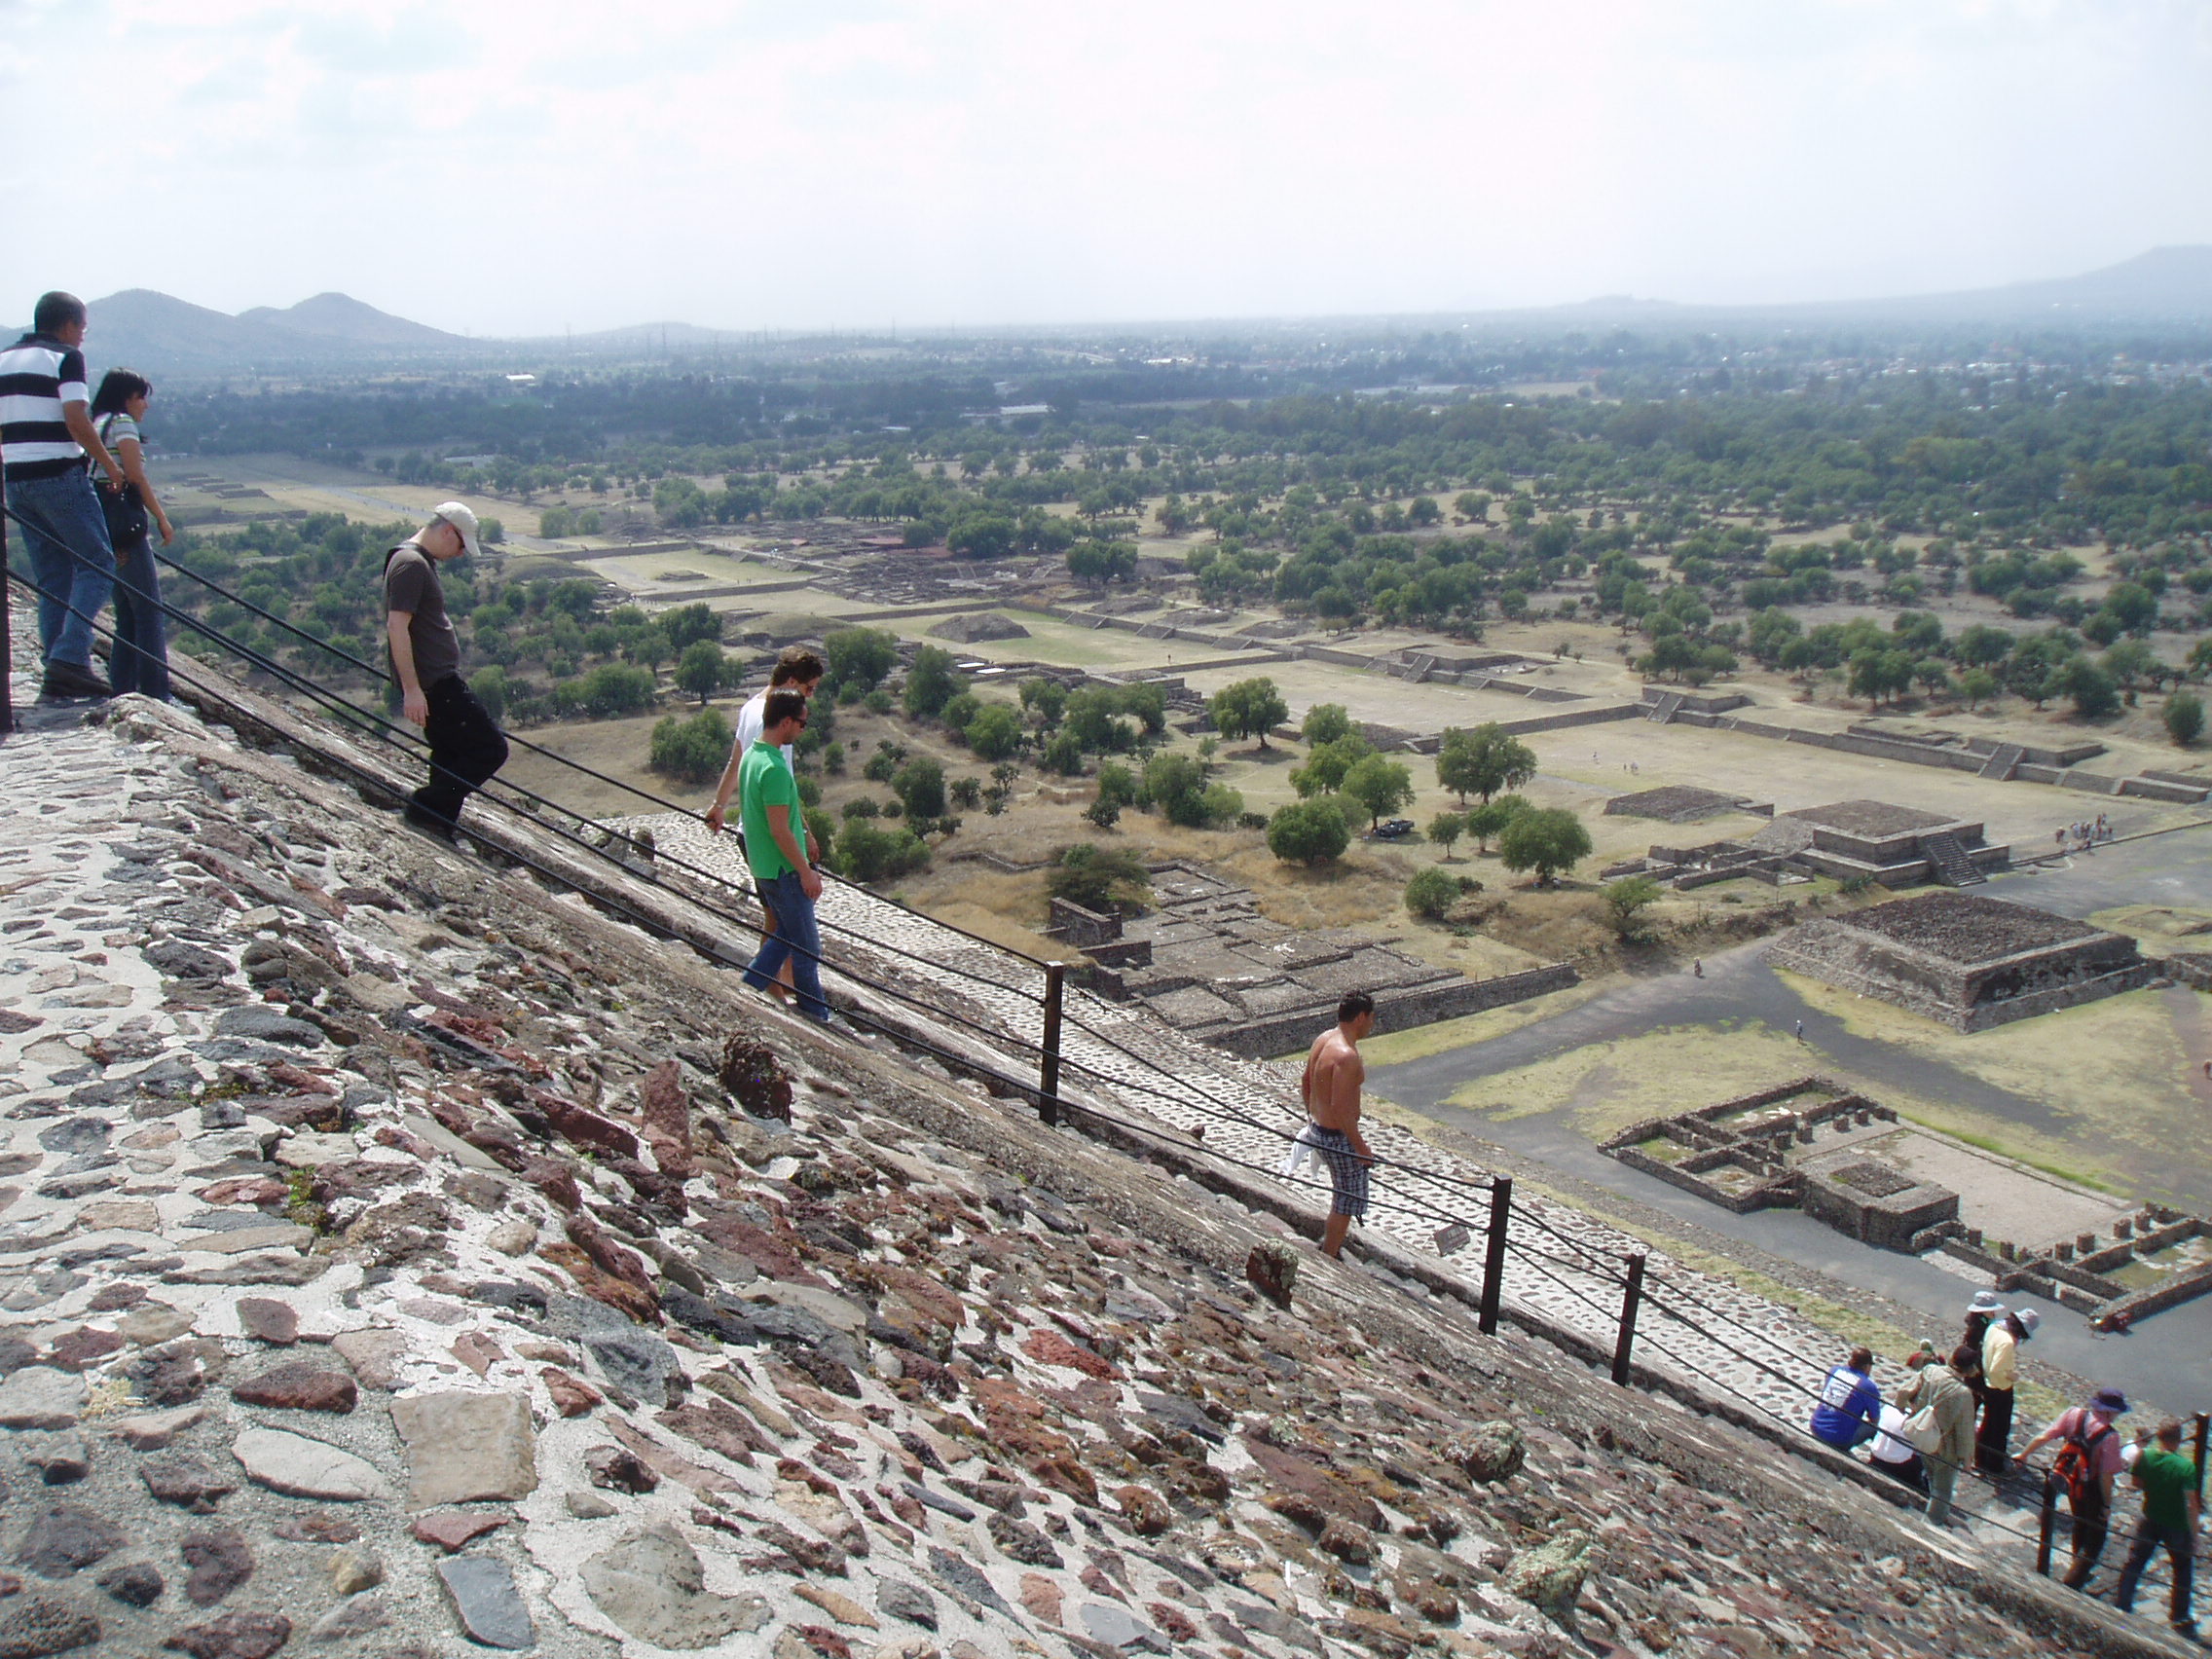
(1551,1575)
(653,1586)
(1272,1269)
(1490,1452)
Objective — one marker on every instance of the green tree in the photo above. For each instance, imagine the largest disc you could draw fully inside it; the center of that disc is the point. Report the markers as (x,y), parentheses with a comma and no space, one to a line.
(2093,692)
(1626,900)
(694,750)
(2185,717)
(866,852)
(1098,878)
(919,786)
(996,732)
(1249,708)
(684,625)
(1379,785)
(857,658)
(931,682)
(1483,761)
(1487,822)
(1048,699)
(1446,828)
(702,670)
(1308,832)
(1325,723)
(1102,562)
(1327,764)
(1977,686)
(1431,893)
(1118,784)
(1543,839)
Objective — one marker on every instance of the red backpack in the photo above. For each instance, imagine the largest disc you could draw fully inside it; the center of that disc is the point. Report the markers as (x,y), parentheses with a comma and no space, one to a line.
(2074,1469)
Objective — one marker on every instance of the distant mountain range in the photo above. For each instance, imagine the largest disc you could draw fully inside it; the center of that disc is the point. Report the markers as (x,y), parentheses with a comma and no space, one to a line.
(163,335)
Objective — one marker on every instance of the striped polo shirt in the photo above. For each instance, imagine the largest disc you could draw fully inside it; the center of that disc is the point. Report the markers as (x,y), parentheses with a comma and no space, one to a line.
(38,374)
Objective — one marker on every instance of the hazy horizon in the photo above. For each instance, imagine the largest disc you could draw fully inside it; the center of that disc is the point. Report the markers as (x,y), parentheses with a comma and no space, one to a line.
(524,172)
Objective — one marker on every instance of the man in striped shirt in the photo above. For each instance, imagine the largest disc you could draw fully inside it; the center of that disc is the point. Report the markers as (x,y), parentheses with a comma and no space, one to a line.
(45,434)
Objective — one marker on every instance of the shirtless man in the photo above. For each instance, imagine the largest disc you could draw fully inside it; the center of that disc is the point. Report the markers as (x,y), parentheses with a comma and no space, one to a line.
(1330,1089)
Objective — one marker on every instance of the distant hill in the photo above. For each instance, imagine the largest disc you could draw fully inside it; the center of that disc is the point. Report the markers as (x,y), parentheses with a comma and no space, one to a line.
(160,334)
(341,318)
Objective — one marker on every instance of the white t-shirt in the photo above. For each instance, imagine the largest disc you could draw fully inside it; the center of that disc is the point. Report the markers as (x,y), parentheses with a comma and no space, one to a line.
(752,721)
(1888,1447)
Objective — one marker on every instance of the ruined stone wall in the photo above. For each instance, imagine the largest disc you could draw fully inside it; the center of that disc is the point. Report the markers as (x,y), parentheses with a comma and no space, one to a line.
(1281,1033)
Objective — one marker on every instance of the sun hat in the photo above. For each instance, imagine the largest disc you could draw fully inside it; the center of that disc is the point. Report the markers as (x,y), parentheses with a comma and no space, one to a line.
(458,514)
(2029,1319)
(1986,1301)
(2111,1401)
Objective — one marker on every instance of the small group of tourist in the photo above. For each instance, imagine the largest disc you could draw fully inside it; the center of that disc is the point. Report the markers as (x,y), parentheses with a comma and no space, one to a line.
(73,473)
(1927,1433)
(2082,835)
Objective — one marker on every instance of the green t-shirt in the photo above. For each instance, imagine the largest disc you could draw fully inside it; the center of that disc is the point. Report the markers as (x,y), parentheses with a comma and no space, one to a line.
(765,780)
(2168,1478)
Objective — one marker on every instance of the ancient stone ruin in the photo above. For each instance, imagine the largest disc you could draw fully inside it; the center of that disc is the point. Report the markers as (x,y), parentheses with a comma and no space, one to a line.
(1968,961)
(1678,803)
(1208,963)
(970,626)
(1897,846)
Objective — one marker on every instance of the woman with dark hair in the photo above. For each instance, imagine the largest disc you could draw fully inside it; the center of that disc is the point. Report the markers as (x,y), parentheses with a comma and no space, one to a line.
(140,661)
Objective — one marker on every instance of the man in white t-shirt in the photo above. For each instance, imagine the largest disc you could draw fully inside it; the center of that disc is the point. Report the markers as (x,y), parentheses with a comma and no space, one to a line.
(797,669)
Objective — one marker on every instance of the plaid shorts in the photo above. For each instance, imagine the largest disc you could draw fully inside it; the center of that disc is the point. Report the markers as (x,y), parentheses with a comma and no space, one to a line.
(1348,1173)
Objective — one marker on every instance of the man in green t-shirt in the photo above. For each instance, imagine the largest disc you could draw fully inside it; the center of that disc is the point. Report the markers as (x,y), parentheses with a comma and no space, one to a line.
(775,835)
(2171,1508)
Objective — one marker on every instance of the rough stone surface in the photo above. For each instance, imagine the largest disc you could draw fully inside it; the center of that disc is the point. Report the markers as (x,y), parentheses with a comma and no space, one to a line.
(304,1386)
(463,1447)
(234,1636)
(652,1586)
(40,1397)
(306,1469)
(66,1537)
(33,1625)
(485,1599)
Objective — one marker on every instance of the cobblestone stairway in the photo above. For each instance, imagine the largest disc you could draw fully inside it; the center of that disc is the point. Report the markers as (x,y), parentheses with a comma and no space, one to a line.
(1952,864)
(1561,1264)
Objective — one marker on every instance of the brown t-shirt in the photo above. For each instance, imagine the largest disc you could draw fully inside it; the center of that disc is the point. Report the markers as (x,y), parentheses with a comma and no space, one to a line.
(411,585)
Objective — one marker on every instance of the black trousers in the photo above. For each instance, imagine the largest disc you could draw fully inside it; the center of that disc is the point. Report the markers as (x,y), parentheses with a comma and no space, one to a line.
(1993,1446)
(2092,1524)
(466,748)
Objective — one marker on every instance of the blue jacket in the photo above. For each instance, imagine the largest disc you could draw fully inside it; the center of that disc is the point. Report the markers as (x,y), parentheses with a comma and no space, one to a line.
(1849,1411)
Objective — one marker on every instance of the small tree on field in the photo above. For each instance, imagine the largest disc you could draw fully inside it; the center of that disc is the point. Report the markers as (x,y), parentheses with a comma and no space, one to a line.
(1431,893)
(2185,717)
(702,669)
(1977,686)
(692,749)
(1308,831)
(1325,723)
(1483,761)
(931,683)
(920,787)
(859,658)
(1327,764)
(1250,708)
(1446,828)
(1625,903)
(1487,822)
(1543,839)
(996,732)
(1379,785)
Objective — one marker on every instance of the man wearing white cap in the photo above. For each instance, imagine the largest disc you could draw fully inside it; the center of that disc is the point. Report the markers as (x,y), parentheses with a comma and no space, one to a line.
(465,745)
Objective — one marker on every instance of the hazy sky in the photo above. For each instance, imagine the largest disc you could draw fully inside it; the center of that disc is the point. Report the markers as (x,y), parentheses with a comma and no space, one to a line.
(524,165)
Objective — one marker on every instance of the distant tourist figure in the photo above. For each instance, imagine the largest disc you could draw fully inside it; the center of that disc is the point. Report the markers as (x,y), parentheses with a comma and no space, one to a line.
(1849,1413)
(2059,837)
(140,661)
(1697,968)
(45,435)
(800,670)
(467,746)
(2000,1376)
(1330,1089)
(1940,1408)
(1800,1031)
(2087,1462)
(2171,1509)
(774,821)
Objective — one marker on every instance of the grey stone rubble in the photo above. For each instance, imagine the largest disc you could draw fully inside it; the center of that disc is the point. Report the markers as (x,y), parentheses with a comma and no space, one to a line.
(578,1354)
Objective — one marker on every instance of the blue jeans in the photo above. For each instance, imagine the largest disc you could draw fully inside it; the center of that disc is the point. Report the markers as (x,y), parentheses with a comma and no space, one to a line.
(140,662)
(61,520)
(798,938)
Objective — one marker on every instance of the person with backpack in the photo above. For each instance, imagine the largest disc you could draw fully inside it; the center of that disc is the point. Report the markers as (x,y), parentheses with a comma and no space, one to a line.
(140,661)
(1938,1422)
(2171,1512)
(1849,1411)
(2088,1459)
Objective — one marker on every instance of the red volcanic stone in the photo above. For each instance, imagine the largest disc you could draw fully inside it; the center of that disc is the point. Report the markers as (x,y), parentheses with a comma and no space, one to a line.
(275,1322)
(299,1387)
(451,1529)
(571,1396)
(1050,1348)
